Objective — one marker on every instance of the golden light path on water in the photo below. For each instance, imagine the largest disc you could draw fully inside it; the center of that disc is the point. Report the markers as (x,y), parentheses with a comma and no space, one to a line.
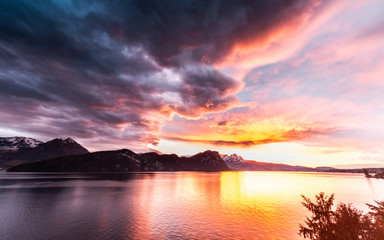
(241,205)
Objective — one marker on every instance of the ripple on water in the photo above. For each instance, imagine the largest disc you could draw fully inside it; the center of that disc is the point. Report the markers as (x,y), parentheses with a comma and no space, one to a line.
(184,205)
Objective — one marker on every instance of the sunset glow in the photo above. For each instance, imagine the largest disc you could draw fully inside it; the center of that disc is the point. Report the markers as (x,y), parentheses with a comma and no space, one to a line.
(295,82)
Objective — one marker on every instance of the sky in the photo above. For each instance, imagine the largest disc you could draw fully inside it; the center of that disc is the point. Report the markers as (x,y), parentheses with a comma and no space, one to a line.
(298,82)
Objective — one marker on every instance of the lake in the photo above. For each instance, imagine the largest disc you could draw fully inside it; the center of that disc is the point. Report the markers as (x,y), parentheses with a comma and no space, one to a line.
(169,205)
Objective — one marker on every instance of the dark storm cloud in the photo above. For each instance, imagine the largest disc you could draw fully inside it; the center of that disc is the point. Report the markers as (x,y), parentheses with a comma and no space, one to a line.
(205,90)
(222,123)
(119,68)
(207,28)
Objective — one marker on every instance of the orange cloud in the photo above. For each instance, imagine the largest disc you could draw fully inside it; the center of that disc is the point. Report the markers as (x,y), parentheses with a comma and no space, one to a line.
(272,137)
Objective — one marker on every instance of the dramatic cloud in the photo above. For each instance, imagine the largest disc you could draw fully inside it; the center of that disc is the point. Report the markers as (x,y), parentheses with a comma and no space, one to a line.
(114,71)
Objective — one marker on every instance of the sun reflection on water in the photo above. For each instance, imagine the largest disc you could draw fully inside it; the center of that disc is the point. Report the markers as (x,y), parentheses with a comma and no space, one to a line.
(178,205)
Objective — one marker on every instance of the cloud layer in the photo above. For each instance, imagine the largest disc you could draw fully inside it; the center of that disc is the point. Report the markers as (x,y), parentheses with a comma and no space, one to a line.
(114,71)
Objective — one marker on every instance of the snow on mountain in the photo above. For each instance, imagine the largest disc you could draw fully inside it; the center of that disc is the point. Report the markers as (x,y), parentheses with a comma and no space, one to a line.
(233,158)
(16,143)
(67,140)
(236,162)
(18,150)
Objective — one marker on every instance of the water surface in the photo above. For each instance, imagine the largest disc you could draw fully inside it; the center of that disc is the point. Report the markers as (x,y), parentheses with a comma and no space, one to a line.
(171,205)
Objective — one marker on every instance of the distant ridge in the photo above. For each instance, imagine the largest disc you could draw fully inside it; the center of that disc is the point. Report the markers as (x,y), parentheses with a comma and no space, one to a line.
(236,162)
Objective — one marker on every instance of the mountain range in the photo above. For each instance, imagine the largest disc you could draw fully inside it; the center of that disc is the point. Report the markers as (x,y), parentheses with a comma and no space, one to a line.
(66,155)
(126,161)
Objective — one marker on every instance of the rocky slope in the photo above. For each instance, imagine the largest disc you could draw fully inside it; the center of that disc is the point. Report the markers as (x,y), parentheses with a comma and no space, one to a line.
(17,150)
(55,148)
(13,144)
(233,159)
(126,161)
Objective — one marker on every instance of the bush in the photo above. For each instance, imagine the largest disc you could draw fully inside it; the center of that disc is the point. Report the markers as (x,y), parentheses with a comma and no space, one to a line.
(345,223)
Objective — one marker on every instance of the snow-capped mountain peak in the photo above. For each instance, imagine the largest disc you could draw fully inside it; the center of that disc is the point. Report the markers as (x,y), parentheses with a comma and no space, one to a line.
(67,140)
(16,143)
(233,158)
